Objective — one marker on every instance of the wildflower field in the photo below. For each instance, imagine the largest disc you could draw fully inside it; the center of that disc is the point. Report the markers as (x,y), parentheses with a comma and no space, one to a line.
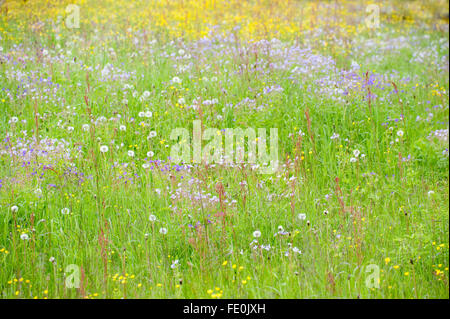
(352,98)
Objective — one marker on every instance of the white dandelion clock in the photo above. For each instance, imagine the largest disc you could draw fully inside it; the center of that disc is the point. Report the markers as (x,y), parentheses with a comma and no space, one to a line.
(256,234)
(176,79)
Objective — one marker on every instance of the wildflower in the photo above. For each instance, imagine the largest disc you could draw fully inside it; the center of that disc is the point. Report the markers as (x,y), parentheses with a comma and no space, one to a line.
(176,79)
(174,264)
(65,211)
(150,154)
(387,260)
(52,260)
(356,153)
(353,160)
(256,234)
(302,216)
(152,134)
(131,153)
(123,128)
(334,136)
(85,127)
(24,236)
(399,133)
(148,114)
(325,212)
(14,209)
(146,94)
(145,165)
(152,218)
(163,231)
(104,148)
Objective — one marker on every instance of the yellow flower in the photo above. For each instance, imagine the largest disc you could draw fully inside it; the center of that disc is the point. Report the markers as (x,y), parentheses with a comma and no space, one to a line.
(225,263)
(387,260)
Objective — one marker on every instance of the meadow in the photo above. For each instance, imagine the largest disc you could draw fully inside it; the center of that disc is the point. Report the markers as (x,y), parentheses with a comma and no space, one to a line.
(93,205)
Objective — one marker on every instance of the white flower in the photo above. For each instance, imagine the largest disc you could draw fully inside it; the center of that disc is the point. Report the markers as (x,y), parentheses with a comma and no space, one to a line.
(325,212)
(145,165)
(70,128)
(430,193)
(24,236)
(150,154)
(104,148)
(152,134)
(152,218)
(123,128)
(52,259)
(141,114)
(14,119)
(256,234)
(163,231)
(356,153)
(65,211)
(44,52)
(280,228)
(400,133)
(334,136)
(85,127)
(176,79)
(302,216)
(14,209)
(181,101)
(174,264)
(38,192)
(148,114)
(353,160)
(131,153)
